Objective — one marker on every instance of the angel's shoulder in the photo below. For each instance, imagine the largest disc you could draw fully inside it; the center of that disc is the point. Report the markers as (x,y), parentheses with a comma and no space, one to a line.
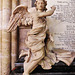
(33,11)
(35,14)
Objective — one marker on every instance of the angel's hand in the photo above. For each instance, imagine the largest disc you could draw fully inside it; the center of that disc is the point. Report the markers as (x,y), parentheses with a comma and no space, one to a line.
(53,7)
(51,38)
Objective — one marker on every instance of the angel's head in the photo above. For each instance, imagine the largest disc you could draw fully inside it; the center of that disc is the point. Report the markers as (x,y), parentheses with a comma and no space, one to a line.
(41,5)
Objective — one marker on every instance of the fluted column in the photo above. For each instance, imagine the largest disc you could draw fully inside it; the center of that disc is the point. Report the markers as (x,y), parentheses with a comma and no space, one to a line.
(13,40)
(6,38)
(29,3)
(23,2)
(26,2)
(0,37)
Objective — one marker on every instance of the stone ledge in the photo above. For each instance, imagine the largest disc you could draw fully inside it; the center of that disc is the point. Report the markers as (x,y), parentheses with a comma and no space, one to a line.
(60,73)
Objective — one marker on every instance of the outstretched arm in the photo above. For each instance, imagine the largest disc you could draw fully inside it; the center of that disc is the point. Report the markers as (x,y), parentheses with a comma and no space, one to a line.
(48,13)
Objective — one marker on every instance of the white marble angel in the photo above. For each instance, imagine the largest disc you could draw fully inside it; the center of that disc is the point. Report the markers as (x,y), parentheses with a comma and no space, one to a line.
(38,38)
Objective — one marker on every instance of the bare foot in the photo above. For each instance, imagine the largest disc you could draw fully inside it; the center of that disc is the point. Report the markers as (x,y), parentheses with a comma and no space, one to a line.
(25,74)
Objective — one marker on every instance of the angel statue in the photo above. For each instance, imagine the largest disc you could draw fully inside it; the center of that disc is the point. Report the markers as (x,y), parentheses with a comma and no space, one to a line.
(39,38)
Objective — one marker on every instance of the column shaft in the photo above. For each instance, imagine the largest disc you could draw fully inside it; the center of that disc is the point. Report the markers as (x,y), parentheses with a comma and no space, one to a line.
(6,38)
(13,40)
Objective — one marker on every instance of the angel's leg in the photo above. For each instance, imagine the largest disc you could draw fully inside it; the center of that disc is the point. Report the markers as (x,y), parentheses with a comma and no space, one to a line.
(31,65)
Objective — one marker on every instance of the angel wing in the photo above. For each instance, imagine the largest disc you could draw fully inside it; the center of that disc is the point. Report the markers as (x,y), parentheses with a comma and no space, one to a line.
(19,13)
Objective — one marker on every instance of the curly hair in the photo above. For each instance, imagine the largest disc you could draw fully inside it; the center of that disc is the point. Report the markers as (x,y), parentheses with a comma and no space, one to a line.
(45,2)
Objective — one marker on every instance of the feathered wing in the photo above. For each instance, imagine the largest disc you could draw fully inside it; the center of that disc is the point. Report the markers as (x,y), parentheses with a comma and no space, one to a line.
(18,14)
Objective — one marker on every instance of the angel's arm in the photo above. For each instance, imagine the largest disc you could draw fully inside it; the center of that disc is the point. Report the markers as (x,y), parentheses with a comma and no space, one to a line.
(48,13)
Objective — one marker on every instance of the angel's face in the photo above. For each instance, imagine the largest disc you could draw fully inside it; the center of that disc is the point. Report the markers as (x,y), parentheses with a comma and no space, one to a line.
(40,5)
